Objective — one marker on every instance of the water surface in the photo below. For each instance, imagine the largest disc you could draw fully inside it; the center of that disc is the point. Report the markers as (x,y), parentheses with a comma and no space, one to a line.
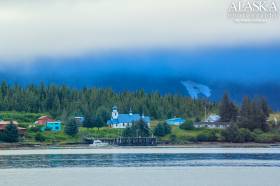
(186,159)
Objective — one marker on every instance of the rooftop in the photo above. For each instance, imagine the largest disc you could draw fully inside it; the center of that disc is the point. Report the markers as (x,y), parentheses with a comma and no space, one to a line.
(128,118)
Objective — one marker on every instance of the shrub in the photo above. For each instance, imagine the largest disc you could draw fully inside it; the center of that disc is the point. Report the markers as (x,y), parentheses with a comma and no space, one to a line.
(192,138)
(257,131)
(245,135)
(10,133)
(138,129)
(187,125)
(197,119)
(159,130)
(202,137)
(162,129)
(40,137)
(276,137)
(231,134)
(173,138)
(35,129)
(264,138)
(212,136)
(48,129)
(71,127)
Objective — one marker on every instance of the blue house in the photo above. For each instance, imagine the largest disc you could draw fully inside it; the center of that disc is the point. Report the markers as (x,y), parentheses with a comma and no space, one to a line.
(175,121)
(124,120)
(79,120)
(54,126)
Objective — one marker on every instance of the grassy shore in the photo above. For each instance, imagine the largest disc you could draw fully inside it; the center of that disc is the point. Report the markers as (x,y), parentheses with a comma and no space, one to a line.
(198,137)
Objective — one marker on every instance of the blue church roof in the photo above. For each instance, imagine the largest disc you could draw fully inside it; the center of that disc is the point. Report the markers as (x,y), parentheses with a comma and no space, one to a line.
(128,118)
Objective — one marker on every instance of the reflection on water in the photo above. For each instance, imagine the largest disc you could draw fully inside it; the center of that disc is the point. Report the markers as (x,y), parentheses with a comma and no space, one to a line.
(139,160)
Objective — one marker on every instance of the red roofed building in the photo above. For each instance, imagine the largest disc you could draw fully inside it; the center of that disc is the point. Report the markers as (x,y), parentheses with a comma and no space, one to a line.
(3,125)
(44,120)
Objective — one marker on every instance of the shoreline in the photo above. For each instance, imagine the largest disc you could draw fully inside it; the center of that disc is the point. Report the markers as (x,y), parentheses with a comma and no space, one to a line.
(19,146)
(140,150)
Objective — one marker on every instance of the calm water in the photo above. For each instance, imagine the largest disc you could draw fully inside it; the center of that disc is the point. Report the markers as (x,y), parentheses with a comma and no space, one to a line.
(141,160)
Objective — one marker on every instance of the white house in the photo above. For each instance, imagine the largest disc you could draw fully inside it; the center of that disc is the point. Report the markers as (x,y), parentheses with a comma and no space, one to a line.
(211,125)
(212,122)
(124,120)
(213,118)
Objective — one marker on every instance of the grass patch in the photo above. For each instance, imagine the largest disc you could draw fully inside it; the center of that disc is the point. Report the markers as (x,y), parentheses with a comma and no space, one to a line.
(181,136)
(21,117)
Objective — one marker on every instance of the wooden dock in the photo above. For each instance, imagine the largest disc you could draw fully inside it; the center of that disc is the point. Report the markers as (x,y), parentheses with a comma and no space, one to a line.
(127,141)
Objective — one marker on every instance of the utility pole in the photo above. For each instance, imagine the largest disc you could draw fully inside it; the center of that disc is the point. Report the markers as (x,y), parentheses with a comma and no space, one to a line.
(205,113)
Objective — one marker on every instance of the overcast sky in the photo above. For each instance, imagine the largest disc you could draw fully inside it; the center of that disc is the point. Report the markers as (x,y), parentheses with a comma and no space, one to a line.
(31,29)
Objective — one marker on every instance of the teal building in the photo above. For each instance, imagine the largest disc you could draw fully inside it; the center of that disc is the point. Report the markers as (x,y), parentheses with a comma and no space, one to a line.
(54,126)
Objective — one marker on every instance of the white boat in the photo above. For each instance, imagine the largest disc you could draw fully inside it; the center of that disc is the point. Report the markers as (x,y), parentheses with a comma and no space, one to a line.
(98,143)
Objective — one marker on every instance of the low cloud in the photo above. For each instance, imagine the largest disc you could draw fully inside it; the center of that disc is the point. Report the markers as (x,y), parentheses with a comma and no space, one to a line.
(60,28)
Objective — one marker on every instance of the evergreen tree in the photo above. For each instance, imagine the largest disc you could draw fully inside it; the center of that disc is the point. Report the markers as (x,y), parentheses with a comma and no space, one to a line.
(4,89)
(259,117)
(138,129)
(56,100)
(245,119)
(89,121)
(233,112)
(227,109)
(167,128)
(264,106)
(253,115)
(159,130)
(102,115)
(187,125)
(71,127)
(231,134)
(162,129)
(10,133)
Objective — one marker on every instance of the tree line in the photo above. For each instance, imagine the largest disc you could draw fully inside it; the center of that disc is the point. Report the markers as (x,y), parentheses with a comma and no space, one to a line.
(61,101)
(252,114)
(247,122)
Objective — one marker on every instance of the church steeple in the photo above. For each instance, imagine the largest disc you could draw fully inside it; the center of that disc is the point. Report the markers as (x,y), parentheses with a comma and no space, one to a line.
(115,113)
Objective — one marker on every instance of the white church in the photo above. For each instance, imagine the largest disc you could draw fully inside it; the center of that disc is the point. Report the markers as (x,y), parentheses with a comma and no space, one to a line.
(124,120)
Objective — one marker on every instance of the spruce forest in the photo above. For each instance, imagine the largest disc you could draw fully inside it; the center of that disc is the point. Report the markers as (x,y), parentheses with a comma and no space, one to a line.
(63,101)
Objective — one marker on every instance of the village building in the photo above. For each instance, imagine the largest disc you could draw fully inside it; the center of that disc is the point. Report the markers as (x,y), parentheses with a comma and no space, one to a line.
(43,120)
(54,126)
(3,125)
(211,125)
(175,121)
(125,120)
(212,122)
(79,120)
(49,123)
(213,118)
